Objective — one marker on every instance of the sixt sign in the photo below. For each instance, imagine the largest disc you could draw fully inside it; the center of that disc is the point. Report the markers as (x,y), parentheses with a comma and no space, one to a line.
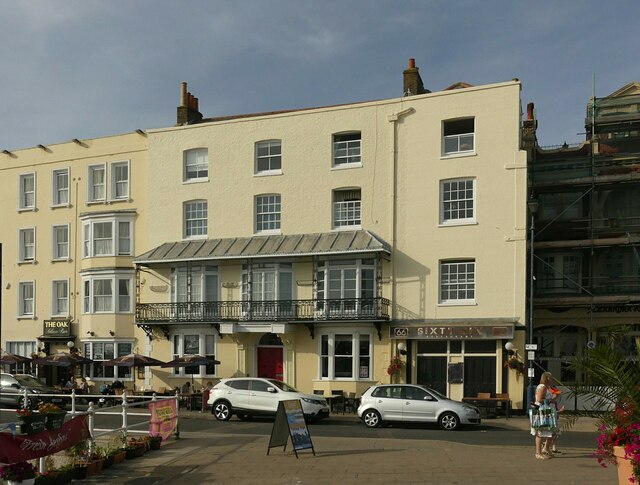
(56,328)
(452,332)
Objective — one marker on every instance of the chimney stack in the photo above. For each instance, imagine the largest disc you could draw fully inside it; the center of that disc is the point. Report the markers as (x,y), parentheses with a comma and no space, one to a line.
(188,112)
(412,80)
(529,127)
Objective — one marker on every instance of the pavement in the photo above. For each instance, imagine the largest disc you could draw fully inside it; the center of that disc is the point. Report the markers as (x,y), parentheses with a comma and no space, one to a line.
(205,457)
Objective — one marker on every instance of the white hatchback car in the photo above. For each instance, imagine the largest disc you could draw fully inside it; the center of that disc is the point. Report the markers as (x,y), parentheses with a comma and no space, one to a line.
(251,396)
(414,403)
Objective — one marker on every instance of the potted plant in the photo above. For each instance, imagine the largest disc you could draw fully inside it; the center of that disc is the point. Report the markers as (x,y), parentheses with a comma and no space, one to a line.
(155,441)
(31,422)
(395,366)
(516,364)
(135,448)
(612,384)
(54,416)
(21,472)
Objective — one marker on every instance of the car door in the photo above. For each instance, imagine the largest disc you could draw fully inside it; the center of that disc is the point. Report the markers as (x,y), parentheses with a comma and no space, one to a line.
(261,399)
(388,402)
(9,390)
(237,393)
(418,405)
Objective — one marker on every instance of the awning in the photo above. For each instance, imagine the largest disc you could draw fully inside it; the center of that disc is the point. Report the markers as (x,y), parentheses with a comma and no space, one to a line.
(56,338)
(320,244)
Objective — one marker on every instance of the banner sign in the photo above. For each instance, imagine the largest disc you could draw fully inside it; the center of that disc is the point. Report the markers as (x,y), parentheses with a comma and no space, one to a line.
(27,447)
(290,423)
(164,418)
(452,332)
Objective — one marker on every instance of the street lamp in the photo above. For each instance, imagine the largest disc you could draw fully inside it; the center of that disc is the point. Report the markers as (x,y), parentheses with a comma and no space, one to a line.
(533,210)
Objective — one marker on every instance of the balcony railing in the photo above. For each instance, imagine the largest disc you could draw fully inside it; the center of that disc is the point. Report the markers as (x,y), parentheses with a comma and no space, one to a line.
(277,310)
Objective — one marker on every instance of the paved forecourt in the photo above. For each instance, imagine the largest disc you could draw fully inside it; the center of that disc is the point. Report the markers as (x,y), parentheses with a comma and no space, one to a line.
(242,459)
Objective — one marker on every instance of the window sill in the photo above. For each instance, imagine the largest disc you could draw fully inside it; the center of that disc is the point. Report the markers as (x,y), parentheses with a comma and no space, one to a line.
(348,228)
(195,181)
(61,206)
(454,224)
(27,262)
(120,199)
(26,317)
(346,166)
(97,202)
(27,209)
(458,303)
(276,232)
(445,156)
(61,260)
(268,173)
(195,238)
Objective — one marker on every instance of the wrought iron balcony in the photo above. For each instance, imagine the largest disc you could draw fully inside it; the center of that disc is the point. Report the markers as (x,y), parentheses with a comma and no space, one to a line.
(372,309)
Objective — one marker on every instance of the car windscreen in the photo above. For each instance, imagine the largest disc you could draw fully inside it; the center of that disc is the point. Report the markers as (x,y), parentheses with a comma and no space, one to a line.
(282,386)
(28,381)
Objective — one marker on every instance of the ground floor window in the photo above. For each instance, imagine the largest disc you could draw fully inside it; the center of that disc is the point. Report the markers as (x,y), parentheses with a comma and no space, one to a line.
(25,349)
(345,356)
(194,342)
(101,351)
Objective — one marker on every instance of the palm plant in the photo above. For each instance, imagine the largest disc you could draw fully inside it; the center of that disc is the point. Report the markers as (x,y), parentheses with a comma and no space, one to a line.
(611,383)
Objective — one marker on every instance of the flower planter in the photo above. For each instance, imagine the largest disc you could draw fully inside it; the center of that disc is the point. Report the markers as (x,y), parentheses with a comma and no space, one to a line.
(119,457)
(136,452)
(26,481)
(625,468)
(154,443)
(80,471)
(94,467)
(35,423)
(108,461)
(54,420)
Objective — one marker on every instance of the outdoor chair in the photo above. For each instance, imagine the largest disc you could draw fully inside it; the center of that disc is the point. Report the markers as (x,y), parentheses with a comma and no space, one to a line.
(350,403)
(337,401)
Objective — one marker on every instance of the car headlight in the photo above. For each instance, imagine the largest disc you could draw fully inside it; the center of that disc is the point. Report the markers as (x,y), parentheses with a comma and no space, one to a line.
(314,401)
(34,391)
(471,410)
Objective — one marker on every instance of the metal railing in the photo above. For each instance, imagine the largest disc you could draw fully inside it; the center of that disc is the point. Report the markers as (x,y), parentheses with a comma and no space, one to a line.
(273,310)
(124,403)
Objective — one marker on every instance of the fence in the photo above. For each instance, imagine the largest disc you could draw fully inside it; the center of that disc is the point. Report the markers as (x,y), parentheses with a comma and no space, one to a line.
(121,406)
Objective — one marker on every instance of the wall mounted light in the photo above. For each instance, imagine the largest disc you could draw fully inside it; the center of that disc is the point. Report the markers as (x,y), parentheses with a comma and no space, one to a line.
(509,348)
(402,348)
(91,332)
(112,333)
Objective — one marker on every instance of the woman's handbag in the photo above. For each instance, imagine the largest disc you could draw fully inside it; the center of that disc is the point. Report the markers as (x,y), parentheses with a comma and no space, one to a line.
(544,418)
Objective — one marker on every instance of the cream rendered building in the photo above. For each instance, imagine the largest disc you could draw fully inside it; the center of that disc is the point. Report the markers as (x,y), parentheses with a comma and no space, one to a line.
(73,217)
(311,245)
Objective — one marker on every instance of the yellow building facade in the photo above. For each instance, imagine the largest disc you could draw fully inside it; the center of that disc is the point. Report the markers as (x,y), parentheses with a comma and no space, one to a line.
(309,245)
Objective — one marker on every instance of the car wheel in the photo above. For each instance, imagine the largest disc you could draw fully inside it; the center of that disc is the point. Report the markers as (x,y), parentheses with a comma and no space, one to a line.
(449,421)
(371,418)
(222,411)
(24,403)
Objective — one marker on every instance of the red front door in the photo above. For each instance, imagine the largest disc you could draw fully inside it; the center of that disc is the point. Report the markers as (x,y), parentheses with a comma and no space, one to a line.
(270,362)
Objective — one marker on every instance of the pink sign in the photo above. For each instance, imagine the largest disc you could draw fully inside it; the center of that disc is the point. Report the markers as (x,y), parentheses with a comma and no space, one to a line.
(163,419)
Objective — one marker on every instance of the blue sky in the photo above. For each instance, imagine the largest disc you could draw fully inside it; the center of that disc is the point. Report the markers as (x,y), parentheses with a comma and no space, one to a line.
(89,68)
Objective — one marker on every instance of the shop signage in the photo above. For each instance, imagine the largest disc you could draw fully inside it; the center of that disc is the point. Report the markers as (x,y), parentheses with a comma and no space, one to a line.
(615,309)
(164,418)
(57,328)
(451,332)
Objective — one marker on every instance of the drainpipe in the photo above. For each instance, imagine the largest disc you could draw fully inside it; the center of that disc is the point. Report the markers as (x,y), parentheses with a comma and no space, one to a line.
(393,119)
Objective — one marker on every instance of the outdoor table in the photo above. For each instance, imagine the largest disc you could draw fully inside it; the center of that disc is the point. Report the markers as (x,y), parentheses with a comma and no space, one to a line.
(487,400)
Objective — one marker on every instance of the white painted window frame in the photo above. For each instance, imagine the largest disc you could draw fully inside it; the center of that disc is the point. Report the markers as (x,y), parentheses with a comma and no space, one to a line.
(22,299)
(441,281)
(355,335)
(56,244)
(265,207)
(200,164)
(23,204)
(453,221)
(55,299)
(57,190)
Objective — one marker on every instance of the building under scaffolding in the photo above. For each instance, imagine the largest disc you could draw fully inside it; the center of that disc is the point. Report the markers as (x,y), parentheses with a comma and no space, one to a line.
(586,251)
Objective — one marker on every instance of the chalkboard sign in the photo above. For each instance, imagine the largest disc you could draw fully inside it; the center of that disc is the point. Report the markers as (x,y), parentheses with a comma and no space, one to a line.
(455,373)
(290,423)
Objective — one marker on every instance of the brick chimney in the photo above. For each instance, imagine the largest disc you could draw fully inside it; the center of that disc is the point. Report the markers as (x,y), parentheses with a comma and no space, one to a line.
(529,127)
(412,80)
(188,109)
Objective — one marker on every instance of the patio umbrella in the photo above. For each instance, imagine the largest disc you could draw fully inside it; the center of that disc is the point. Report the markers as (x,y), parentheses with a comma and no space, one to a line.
(189,361)
(8,359)
(133,360)
(62,359)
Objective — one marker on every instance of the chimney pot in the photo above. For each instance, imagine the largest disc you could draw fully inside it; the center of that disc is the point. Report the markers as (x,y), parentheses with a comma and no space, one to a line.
(530,111)
(183,93)
(412,63)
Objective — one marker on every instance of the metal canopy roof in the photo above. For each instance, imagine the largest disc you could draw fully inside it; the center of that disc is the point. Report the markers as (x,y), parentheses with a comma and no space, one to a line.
(329,243)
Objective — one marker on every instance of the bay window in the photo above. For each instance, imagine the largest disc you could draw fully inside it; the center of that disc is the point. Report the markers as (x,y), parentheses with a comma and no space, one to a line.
(109,235)
(194,342)
(106,350)
(107,293)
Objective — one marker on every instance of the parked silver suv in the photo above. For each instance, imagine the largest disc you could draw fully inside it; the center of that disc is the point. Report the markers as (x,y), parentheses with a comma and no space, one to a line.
(414,403)
(251,396)
(12,387)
